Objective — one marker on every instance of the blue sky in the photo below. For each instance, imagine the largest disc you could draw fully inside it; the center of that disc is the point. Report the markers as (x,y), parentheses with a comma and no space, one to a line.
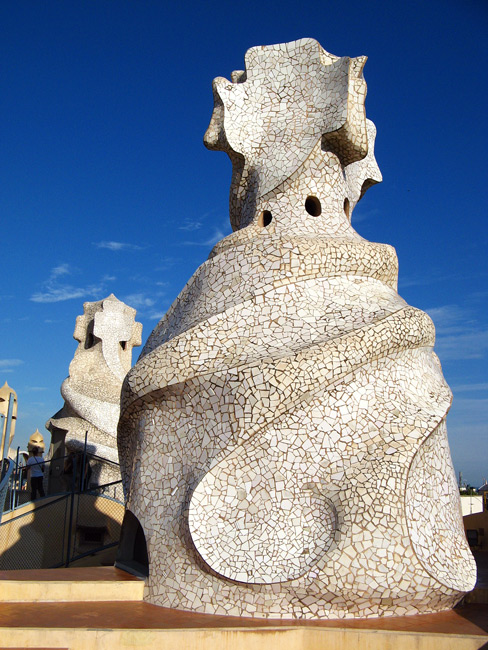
(107,187)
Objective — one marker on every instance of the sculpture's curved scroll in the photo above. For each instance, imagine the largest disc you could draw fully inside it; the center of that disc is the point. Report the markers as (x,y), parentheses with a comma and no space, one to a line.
(286,416)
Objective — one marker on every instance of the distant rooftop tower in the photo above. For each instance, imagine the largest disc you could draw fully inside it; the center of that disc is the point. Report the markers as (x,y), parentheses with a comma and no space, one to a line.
(36,440)
(7,396)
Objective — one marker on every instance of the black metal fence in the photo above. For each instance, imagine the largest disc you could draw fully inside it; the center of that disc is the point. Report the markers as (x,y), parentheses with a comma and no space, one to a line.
(62,527)
(74,472)
(7,467)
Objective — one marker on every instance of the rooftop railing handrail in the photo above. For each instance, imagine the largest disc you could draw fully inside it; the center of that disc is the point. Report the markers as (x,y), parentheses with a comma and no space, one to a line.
(7,469)
(55,498)
(102,458)
(19,472)
(79,452)
(48,501)
(66,519)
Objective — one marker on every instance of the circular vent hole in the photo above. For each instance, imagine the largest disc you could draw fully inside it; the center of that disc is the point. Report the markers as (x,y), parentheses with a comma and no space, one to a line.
(265,218)
(346,207)
(312,206)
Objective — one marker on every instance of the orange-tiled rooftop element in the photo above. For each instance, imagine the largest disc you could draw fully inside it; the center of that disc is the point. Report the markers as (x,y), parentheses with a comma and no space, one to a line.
(73,574)
(68,622)
(468,620)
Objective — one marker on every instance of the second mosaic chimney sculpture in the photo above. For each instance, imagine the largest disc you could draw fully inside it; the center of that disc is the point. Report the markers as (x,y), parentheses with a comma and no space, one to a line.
(106,333)
(282,436)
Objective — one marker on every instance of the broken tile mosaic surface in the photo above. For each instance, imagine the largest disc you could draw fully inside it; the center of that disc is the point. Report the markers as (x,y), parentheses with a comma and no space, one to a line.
(282,435)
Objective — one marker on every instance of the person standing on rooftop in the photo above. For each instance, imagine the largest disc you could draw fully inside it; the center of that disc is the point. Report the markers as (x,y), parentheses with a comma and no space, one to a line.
(35,465)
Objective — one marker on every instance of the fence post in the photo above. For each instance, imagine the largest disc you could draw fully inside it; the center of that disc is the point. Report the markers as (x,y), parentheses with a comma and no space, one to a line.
(7,424)
(71,509)
(17,477)
(82,481)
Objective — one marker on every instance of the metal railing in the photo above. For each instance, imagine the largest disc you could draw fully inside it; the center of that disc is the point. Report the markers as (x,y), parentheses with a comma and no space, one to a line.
(66,525)
(6,473)
(79,472)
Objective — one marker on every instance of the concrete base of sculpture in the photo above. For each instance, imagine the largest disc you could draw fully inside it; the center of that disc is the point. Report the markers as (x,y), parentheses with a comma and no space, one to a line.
(101,609)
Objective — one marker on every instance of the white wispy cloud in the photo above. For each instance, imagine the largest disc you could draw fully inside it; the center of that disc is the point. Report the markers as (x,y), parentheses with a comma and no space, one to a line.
(66,292)
(211,241)
(58,294)
(142,279)
(54,290)
(57,271)
(166,263)
(424,279)
(448,316)
(117,246)
(36,389)
(156,315)
(458,334)
(10,363)
(469,388)
(467,426)
(360,214)
(139,300)
(462,336)
(476,409)
(190,224)
(470,345)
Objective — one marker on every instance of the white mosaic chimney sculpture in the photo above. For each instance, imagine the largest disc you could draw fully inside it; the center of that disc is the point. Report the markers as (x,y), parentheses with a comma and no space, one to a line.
(283,434)
(106,334)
